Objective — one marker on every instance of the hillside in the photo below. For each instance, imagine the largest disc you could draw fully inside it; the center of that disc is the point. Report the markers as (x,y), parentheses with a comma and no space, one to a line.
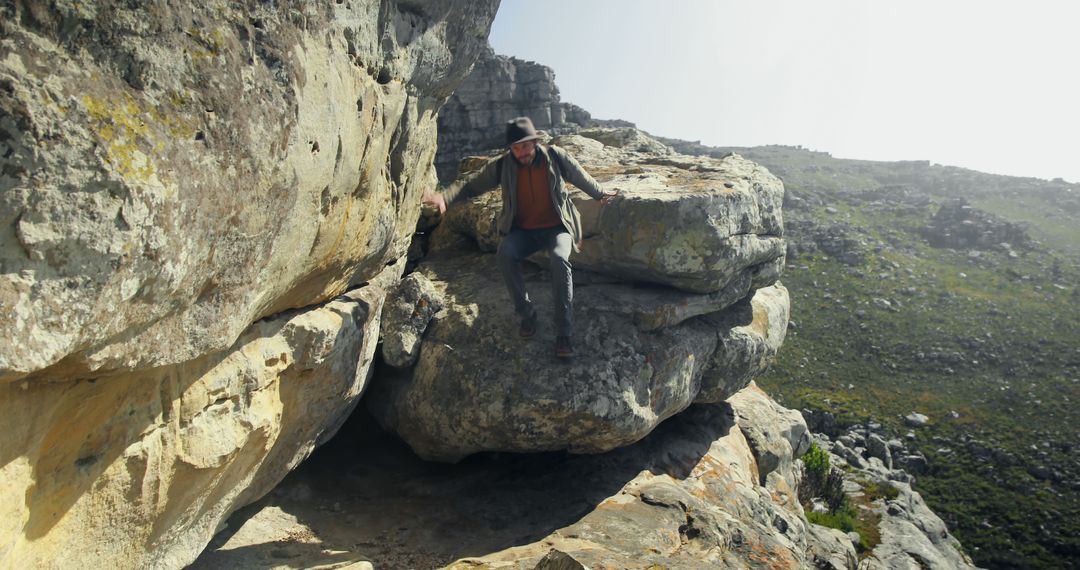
(983,338)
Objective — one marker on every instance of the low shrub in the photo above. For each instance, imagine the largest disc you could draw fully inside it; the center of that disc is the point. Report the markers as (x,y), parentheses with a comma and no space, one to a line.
(820,480)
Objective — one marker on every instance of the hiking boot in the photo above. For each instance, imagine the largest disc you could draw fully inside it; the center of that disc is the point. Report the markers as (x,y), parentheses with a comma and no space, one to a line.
(528,328)
(563,348)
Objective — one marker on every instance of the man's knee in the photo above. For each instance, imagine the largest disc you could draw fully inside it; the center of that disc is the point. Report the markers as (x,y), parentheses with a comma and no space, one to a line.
(562,242)
(560,259)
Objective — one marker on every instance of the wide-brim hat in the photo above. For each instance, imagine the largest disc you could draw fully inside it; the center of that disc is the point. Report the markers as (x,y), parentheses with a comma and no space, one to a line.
(521,129)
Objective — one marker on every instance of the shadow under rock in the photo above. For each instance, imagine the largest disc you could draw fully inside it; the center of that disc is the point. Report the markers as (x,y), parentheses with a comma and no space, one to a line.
(365,496)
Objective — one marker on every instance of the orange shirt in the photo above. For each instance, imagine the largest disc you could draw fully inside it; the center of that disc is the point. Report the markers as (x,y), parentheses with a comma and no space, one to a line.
(535,209)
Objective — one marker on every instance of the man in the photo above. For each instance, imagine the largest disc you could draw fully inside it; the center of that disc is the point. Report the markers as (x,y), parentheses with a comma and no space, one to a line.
(537,214)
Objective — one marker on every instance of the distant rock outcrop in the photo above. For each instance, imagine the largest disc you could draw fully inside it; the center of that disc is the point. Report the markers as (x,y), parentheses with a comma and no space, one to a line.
(498,89)
(186,192)
(958,225)
(911,535)
(833,239)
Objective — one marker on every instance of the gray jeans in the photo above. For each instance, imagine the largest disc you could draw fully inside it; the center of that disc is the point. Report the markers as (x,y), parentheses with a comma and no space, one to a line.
(518,245)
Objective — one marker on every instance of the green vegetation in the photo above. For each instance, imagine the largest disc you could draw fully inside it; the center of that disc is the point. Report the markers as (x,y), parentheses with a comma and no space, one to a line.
(843,519)
(821,481)
(984,342)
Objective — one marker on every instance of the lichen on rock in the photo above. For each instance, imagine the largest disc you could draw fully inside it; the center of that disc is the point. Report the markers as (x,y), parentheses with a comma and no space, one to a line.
(203,207)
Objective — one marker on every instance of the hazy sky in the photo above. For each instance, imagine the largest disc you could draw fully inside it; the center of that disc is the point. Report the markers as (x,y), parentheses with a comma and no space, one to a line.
(990,85)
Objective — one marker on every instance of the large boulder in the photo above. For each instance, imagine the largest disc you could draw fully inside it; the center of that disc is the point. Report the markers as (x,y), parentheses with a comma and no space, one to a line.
(172,174)
(677,302)
(139,469)
(478,387)
(185,192)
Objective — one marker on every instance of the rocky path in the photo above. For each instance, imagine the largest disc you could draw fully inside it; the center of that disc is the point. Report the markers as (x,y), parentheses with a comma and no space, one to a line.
(364,500)
(365,496)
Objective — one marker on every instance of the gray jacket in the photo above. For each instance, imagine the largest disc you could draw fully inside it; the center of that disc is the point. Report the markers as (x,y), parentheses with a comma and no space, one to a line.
(561,166)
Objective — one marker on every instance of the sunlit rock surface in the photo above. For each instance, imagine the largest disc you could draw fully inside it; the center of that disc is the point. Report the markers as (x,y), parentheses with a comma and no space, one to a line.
(186,191)
(692,223)
(173,174)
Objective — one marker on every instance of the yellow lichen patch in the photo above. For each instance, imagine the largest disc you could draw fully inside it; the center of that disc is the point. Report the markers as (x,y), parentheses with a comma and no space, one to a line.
(213,40)
(770,557)
(120,125)
(760,324)
(176,127)
(129,132)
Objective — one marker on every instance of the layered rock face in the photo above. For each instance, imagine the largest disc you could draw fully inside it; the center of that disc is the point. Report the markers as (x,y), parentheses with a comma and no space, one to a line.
(680,305)
(498,89)
(171,175)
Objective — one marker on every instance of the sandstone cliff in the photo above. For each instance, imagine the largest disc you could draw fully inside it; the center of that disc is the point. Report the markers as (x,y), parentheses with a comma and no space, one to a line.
(202,207)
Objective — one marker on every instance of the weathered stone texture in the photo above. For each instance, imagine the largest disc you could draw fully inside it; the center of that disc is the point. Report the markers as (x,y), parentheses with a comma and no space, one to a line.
(498,89)
(694,503)
(410,307)
(138,469)
(172,174)
(692,223)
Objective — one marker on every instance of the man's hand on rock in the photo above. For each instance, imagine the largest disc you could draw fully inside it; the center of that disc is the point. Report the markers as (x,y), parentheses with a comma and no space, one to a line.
(435,199)
(609,195)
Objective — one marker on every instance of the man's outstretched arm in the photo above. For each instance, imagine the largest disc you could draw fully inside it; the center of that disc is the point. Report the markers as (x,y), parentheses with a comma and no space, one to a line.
(574,173)
(483,180)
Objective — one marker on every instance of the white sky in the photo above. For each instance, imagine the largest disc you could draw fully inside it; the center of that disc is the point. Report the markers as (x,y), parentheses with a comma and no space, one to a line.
(985,84)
